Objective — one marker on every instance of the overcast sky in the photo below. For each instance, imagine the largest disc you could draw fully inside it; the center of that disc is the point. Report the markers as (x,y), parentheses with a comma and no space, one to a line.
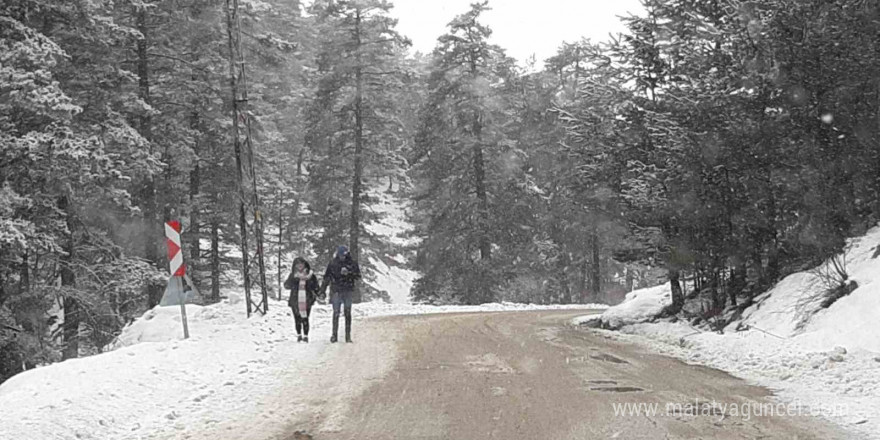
(521,27)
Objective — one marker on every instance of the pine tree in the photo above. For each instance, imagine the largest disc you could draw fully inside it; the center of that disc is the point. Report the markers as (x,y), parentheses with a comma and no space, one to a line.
(70,178)
(354,116)
(461,160)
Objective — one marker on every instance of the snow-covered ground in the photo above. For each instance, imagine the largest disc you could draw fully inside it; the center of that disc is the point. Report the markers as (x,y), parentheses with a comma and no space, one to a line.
(392,275)
(824,359)
(234,378)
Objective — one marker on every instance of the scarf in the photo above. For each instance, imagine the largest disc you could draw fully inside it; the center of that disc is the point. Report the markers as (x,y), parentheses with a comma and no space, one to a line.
(301,296)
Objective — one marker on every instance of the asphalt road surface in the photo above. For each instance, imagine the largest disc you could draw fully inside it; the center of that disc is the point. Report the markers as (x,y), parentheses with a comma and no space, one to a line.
(530,375)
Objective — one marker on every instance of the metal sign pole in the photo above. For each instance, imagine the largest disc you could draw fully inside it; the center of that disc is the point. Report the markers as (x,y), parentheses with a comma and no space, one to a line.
(178,271)
(183,317)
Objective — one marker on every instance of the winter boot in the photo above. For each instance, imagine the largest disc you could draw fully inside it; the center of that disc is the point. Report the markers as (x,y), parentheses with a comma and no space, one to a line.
(347,328)
(306,339)
(335,327)
(299,338)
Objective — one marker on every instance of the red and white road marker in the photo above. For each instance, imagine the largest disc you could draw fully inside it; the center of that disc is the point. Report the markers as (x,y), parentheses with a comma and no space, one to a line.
(175,256)
(177,270)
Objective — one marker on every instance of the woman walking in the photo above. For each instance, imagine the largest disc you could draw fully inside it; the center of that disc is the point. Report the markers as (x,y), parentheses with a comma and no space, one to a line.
(303,286)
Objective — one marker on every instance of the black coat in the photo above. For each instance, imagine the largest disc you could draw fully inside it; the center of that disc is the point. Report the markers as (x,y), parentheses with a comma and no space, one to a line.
(292,283)
(333,274)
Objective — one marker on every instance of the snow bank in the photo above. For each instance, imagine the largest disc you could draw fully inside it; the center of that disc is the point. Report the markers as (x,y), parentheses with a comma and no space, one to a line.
(807,355)
(162,324)
(382,309)
(155,383)
(791,309)
(234,378)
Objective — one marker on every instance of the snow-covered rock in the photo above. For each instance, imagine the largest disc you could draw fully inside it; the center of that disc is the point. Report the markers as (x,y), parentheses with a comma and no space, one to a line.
(589,321)
(639,306)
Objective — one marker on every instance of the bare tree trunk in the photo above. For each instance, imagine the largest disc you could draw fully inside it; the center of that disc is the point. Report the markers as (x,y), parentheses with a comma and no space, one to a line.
(582,280)
(562,264)
(194,232)
(482,196)
(294,212)
(677,295)
(165,194)
(24,278)
(280,238)
(354,225)
(72,314)
(595,266)
(2,290)
(215,260)
(151,227)
(717,289)
(563,261)
(195,179)
(772,271)
(482,205)
(737,283)
(231,9)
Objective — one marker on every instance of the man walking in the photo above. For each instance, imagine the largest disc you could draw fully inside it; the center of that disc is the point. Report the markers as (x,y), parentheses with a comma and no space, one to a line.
(342,273)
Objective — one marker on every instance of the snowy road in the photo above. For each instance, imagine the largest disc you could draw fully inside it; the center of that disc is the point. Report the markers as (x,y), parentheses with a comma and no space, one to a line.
(414,372)
(528,375)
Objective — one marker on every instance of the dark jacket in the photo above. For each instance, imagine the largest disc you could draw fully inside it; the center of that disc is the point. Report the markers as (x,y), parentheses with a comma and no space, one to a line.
(333,274)
(292,284)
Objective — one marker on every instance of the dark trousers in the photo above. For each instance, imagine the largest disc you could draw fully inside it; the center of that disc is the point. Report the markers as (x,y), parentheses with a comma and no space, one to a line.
(341,300)
(302,324)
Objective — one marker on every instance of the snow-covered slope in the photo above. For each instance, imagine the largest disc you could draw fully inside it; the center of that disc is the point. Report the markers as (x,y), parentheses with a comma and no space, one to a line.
(391,274)
(235,378)
(852,321)
(231,374)
(825,359)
